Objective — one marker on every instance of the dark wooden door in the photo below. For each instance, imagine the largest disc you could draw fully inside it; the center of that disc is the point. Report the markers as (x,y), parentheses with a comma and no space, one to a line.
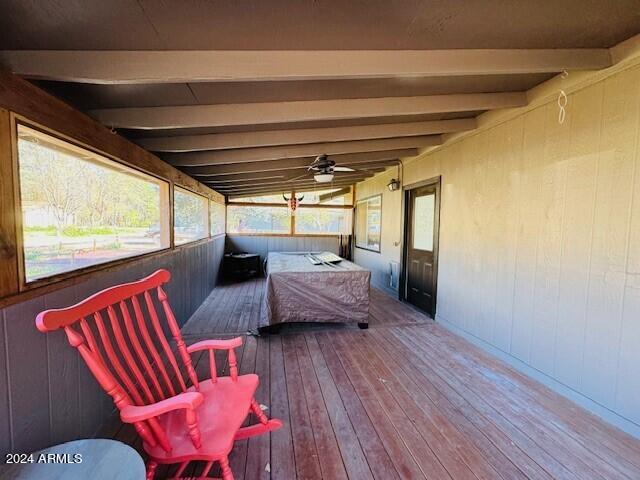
(422,247)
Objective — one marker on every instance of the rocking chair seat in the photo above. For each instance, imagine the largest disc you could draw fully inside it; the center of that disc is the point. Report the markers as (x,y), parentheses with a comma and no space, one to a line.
(222,412)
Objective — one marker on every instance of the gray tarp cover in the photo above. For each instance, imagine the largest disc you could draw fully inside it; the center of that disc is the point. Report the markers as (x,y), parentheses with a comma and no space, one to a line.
(298,291)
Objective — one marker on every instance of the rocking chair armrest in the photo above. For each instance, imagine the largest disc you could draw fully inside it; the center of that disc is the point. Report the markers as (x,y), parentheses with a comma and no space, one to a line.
(215,345)
(135,413)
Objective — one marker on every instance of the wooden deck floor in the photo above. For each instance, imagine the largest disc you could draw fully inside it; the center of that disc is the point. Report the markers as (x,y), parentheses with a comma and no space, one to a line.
(234,308)
(404,399)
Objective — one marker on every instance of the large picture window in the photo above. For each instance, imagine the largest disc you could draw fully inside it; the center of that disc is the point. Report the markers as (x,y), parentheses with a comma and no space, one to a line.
(81,209)
(323,221)
(190,216)
(250,219)
(368,223)
(318,212)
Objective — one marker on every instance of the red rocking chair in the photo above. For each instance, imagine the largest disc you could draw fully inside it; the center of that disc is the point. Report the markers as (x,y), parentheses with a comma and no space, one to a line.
(177,423)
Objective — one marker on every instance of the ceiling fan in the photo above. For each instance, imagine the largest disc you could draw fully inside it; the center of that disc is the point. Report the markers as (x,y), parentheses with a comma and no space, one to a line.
(323,170)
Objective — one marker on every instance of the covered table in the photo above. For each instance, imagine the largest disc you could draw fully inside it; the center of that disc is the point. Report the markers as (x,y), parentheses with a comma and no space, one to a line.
(298,291)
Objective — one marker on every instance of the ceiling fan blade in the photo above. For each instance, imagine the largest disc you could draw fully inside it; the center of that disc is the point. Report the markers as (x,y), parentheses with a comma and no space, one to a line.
(343,169)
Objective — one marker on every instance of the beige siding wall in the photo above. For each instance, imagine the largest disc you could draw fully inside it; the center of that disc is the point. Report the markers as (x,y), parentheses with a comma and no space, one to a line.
(390,247)
(540,239)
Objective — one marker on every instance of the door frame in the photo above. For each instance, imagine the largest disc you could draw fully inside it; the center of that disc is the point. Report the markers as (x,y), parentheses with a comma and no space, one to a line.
(406,216)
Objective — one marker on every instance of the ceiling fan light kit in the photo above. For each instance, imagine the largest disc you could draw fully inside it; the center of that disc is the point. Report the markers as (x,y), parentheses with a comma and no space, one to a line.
(323,177)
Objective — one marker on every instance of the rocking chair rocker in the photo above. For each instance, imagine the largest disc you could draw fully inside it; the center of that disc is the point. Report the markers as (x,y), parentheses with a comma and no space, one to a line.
(177,422)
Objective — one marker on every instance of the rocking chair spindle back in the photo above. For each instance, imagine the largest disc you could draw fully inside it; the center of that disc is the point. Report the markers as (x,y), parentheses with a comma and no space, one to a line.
(141,372)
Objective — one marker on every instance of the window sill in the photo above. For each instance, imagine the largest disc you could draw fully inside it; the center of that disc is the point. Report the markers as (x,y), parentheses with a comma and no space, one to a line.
(50,284)
(299,235)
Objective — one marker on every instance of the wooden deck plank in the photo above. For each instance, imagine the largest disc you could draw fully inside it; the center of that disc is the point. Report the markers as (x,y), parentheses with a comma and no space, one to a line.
(248,306)
(258,448)
(304,445)
(600,438)
(329,457)
(405,399)
(376,455)
(507,422)
(507,459)
(403,461)
(446,440)
(243,307)
(282,458)
(246,364)
(432,465)
(433,432)
(509,398)
(353,457)
(233,307)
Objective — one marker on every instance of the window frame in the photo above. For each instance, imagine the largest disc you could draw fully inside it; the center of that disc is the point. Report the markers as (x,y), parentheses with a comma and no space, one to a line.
(173,218)
(355,223)
(292,227)
(23,284)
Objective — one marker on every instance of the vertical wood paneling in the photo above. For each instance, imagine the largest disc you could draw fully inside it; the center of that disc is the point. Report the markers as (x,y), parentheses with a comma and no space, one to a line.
(529,226)
(28,377)
(62,365)
(585,114)
(46,390)
(264,245)
(628,381)
(91,400)
(5,414)
(509,205)
(550,204)
(616,165)
(540,239)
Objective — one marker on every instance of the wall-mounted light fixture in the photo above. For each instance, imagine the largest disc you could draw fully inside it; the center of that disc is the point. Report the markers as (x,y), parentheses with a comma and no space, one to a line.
(395,183)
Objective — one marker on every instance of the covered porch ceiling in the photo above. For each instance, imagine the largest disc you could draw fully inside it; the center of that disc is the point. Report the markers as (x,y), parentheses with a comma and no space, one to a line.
(243,96)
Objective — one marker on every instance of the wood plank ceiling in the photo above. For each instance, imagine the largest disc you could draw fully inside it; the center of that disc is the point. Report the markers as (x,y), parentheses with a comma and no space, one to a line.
(243,95)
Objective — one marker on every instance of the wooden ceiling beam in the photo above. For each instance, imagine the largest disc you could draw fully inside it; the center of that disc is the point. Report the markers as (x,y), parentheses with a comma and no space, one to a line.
(273,175)
(243,177)
(299,181)
(146,67)
(220,141)
(241,155)
(347,159)
(283,188)
(195,116)
(286,188)
(306,181)
(295,174)
(222,182)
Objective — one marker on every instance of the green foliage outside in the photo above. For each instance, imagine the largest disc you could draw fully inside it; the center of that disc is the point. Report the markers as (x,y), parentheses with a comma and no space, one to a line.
(79,211)
(241,219)
(190,210)
(85,198)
